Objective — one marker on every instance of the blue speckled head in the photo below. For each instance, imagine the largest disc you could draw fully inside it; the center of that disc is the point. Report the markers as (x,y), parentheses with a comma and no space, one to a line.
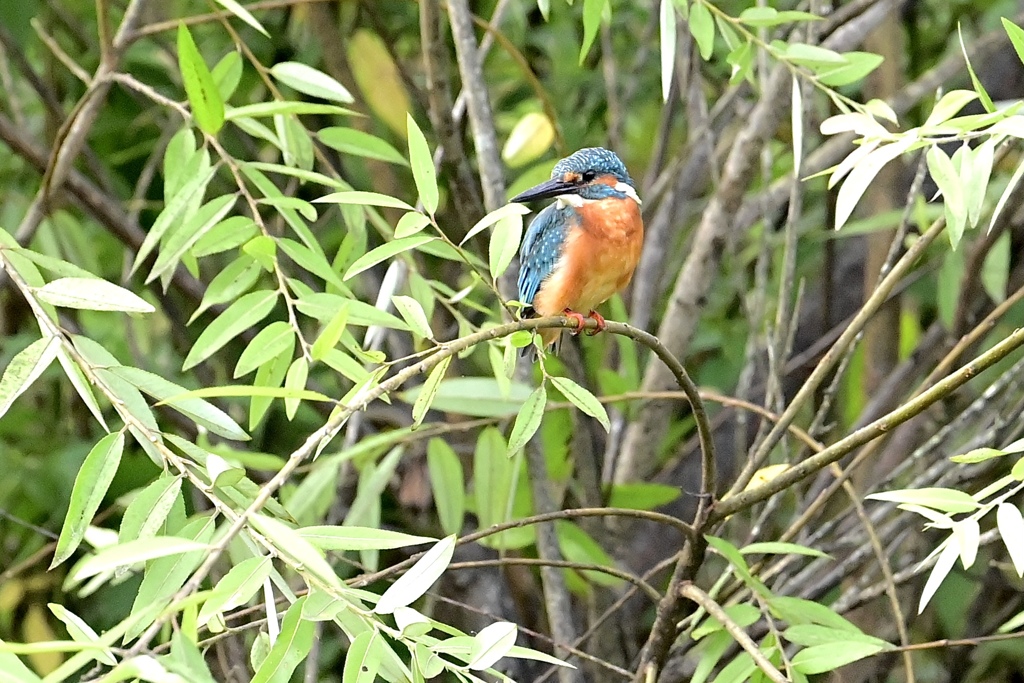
(596,160)
(585,175)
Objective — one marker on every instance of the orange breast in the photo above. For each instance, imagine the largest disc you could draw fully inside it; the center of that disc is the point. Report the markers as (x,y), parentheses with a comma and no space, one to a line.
(598,260)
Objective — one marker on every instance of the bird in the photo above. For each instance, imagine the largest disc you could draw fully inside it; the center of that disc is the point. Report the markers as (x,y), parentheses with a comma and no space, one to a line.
(582,249)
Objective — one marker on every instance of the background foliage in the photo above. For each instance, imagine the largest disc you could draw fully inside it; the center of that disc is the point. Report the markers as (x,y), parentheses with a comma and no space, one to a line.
(263,413)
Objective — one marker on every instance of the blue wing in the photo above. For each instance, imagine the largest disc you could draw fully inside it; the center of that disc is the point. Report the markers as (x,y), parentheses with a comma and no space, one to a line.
(542,247)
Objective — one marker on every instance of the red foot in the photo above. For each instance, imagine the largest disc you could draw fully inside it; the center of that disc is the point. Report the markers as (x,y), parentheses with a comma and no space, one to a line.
(599,319)
(578,317)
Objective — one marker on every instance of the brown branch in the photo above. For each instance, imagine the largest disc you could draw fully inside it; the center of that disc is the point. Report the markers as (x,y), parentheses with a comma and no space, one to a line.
(695,594)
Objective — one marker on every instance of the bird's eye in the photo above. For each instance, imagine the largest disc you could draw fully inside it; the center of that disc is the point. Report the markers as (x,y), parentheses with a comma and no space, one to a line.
(588,176)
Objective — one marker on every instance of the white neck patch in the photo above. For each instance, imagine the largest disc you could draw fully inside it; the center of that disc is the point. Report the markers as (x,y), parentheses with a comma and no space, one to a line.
(627,189)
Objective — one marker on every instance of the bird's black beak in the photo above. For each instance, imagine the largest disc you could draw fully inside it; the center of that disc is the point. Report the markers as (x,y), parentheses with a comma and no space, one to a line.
(546,190)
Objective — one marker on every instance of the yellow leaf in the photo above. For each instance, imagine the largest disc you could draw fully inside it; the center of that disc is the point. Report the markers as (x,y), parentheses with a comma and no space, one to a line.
(529,139)
(36,629)
(378,80)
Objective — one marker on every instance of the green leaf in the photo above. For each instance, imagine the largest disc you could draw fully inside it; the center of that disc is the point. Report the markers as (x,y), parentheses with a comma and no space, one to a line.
(237,587)
(528,420)
(769,16)
(80,632)
(299,552)
(505,239)
(148,511)
(243,14)
(702,28)
(269,377)
(132,552)
(944,500)
(25,368)
(1011,527)
(176,210)
(291,647)
(230,283)
(386,251)
(418,580)
(92,294)
(592,11)
(582,399)
(1016,36)
(995,271)
(943,565)
(410,224)
(203,96)
(187,661)
(185,237)
(227,74)
(54,265)
(815,58)
(978,455)
(240,316)
(974,178)
(642,495)
(359,538)
(359,143)
(331,334)
(949,105)
(269,342)
(429,390)
(990,107)
(295,381)
(363,199)
(229,233)
(447,484)
(801,611)
(821,658)
(743,614)
(862,174)
(90,487)
(422,164)
(493,642)
(494,217)
(324,306)
(310,81)
(577,545)
(413,314)
(858,65)
(810,635)
(282,203)
(780,548)
(281,108)
(164,576)
(667,26)
(362,661)
(474,396)
(199,411)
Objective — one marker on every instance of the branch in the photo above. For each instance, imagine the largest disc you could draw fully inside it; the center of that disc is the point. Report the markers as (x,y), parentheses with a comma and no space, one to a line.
(836,451)
(690,591)
(321,437)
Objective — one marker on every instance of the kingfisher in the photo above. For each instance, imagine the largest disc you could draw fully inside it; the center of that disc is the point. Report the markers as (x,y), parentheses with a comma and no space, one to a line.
(582,249)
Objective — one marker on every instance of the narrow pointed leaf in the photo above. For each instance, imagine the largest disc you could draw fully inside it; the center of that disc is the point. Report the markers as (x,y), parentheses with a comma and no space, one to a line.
(92,294)
(203,95)
(426,395)
(240,316)
(528,420)
(418,580)
(582,399)
(422,164)
(25,368)
(141,550)
(311,81)
(90,487)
